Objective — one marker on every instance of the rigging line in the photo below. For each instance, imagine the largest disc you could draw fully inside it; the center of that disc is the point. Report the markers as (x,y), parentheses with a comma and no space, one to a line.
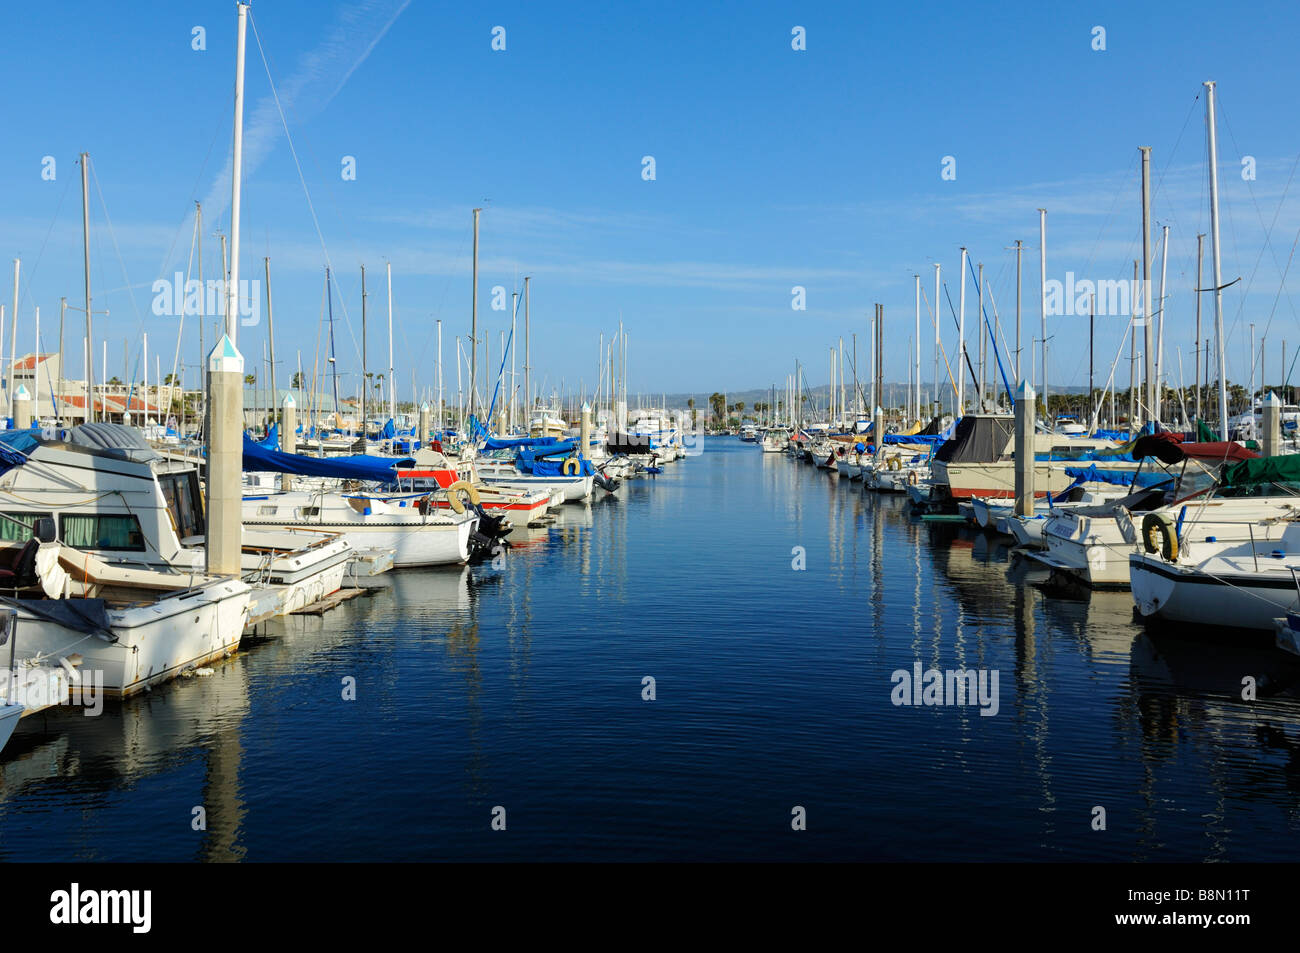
(964,352)
(1114,202)
(943,353)
(31,275)
(1174,151)
(989,328)
(1268,231)
(130,292)
(193,191)
(301,178)
(1277,297)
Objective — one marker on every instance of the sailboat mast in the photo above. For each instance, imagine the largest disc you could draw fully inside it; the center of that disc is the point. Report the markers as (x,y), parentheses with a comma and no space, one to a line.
(365,377)
(916,364)
(392,393)
(1214,255)
(334,366)
(274,403)
(1200,248)
(1042,299)
(1160,335)
(1019,255)
(473,320)
(528,386)
(13,337)
(961,339)
(1148,314)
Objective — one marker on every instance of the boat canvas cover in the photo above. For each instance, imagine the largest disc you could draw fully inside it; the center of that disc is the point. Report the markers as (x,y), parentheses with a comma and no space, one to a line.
(15,445)
(977,440)
(1139,478)
(114,440)
(1284,469)
(1168,448)
(912,438)
(511,443)
(258,458)
(88,616)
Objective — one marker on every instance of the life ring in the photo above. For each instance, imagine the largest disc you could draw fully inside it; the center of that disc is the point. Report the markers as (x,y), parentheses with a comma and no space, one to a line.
(577,467)
(459,487)
(1160,525)
(894,463)
(911,478)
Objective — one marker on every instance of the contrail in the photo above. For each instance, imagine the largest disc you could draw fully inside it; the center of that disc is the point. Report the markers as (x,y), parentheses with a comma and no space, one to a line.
(320,75)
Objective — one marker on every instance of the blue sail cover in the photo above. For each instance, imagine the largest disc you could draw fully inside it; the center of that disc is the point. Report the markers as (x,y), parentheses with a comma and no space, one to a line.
(389,431)
(933,441)
(258,458)
(511,443)
(272,439)
(1142,479)
(553,468)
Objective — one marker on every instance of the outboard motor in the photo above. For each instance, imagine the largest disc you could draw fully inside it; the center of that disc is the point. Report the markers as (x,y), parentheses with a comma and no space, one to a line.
(490,526)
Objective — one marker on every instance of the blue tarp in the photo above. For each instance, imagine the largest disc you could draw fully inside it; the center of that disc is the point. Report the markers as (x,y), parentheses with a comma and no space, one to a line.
(272,440)
(556,468)
(389,431)
(258,458)
(932,441)
(15,445)
(1091,474)
(528,456)
(510,443)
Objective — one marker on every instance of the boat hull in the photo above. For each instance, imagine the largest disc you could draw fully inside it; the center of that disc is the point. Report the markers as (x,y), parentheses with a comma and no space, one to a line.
(1227,599)
(154,642)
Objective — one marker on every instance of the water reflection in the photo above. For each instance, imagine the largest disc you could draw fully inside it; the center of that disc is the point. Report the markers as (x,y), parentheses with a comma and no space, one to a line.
(519,683)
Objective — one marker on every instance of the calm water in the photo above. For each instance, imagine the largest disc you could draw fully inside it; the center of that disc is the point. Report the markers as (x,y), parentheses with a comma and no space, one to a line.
(521,687)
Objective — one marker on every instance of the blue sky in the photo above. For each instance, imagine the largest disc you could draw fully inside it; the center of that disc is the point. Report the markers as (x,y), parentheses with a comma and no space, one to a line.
(775,168)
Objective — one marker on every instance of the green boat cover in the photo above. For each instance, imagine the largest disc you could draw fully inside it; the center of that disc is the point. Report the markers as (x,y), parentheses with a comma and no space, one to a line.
(1284,469)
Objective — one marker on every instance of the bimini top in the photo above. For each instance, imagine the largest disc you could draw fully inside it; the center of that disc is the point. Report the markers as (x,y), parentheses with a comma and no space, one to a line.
(1167,448)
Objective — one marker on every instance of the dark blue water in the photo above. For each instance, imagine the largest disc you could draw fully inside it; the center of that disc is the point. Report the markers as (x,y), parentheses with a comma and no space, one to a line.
(521,687)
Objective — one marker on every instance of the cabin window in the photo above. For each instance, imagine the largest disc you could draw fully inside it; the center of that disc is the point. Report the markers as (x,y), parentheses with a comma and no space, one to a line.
(308,511)
(113,533)
(17,527)
(181,491)
(266,510)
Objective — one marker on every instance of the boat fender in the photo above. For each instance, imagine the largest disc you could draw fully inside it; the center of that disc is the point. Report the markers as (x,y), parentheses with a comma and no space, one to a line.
(424,506)
(911,478)
(577,467)
(469,489)
(1158,526)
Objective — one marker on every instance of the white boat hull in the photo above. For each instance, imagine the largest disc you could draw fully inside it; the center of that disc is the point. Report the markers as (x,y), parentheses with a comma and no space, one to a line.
(1238,600)
(155,642)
